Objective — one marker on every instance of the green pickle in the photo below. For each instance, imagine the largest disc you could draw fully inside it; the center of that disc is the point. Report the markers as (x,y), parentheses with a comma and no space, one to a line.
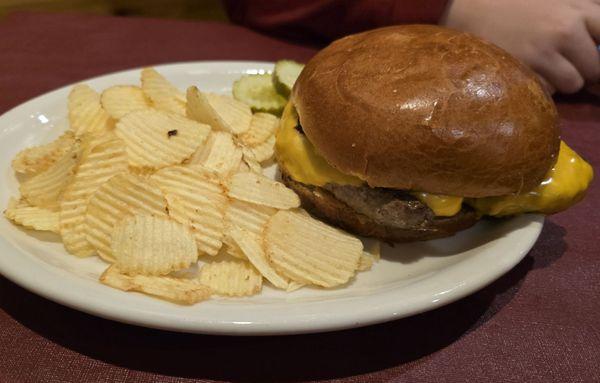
(284,76)
(258,92)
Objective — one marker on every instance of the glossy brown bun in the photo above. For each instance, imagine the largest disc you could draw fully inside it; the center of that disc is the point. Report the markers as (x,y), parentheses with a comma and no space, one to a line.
(421,107)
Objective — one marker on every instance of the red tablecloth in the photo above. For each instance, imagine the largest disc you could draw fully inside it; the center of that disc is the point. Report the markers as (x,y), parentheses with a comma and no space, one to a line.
(538,323)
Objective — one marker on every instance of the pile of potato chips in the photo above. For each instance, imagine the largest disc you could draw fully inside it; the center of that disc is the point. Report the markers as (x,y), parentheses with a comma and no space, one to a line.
(154,180)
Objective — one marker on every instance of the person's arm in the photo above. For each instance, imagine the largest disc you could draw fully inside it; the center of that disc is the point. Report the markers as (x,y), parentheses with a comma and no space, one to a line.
(329,19)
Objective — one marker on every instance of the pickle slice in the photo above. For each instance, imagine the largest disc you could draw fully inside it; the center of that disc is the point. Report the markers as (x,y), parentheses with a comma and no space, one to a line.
(285,75)
(258,92)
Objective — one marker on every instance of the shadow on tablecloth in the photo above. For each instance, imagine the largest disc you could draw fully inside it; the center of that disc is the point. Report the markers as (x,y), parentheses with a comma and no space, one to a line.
(396,344)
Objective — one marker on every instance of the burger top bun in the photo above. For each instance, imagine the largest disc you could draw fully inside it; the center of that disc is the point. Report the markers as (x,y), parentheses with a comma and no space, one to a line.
(424,108)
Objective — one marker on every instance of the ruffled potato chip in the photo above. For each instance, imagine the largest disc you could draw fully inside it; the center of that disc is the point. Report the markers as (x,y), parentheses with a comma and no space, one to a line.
(121,196)
(32,217)
(195,197)
(260,190)
(182,291)
(233,278)
(122,99)
(86,114)
(103,158)
(45,188)
(33,160)
(164,95)
(156,139)
(308,251)
(221,112)
(143,244)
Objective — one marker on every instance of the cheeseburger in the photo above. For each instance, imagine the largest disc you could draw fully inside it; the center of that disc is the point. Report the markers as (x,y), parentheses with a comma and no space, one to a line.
(415,132)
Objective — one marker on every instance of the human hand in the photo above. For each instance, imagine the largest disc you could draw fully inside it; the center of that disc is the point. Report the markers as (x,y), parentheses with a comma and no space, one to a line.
(556,38)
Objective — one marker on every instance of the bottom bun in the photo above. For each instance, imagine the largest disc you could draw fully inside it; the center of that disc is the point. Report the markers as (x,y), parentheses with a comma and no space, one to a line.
(410,221)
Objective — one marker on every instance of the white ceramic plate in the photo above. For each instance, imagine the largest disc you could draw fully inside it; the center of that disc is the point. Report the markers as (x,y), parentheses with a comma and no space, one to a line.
(410,279)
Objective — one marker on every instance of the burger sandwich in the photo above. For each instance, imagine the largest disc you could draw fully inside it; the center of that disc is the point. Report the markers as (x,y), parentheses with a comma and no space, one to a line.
(415,132)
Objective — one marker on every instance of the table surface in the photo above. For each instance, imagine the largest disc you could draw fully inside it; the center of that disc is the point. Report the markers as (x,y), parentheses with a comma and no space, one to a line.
(538,323)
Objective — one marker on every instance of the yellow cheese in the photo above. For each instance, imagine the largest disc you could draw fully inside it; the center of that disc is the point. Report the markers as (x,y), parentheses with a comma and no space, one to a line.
(441,205)
(300,159)
(564,185)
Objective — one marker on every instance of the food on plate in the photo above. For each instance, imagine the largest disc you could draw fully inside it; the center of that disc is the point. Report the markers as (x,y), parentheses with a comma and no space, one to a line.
(185,291)
(261,190)
(122,195)
(143,244)
(155,139)
(195,197)
(32,217)
(122,99)
(102,158)
(45,188)
(231,278)
(219,111)
(162,94)
(220,154)
(259,93)
(86,114)
(310,259)
(39,158)
(414,132)
(285,74)
(169,191)
(251,246)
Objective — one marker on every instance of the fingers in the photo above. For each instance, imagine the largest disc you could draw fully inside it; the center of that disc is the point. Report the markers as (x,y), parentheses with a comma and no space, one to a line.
(560,73)
(592,21)
(582,52)
(546,85)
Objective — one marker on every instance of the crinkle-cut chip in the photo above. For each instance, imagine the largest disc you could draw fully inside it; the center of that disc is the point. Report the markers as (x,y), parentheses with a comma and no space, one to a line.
(251,246)
(220,154)
(45,188)
(142,172)
(142,244)
(232,249)
(307,250)
(39,158)
(202,217)
(262,126)
(177,290)
(189,272)
(122,99)
(202,201)
(32,217)
(236,278)
(86,114)
(156,139)
(104,158)
(243,168)
(248,216)
(264,151)
(221,112)
(193,179)
(164,95)
(223,255)
(293,286)
(121,196)
(370,255)
(365,262)
(249,159)
(258,189)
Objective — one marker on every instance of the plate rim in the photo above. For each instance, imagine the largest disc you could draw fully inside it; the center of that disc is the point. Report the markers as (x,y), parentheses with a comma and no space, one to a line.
(77,300)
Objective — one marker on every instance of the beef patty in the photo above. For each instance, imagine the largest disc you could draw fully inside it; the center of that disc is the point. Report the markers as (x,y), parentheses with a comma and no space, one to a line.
(390,215)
